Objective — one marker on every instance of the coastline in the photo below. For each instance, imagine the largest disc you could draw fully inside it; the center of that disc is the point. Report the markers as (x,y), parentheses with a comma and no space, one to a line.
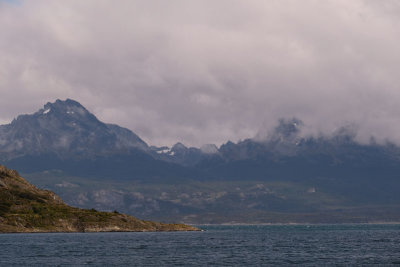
(295,223)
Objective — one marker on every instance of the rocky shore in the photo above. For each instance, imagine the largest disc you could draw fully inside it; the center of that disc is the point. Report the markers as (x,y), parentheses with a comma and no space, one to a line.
(25,208)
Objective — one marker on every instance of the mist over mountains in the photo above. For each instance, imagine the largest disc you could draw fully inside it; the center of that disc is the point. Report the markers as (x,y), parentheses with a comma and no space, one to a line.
(68,130)
(285,172)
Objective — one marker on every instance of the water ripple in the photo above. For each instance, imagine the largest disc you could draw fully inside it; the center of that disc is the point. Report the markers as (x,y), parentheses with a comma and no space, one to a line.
(310,245)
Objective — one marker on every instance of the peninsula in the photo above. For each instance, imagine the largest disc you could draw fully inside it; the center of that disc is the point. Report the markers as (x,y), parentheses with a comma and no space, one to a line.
(25,208)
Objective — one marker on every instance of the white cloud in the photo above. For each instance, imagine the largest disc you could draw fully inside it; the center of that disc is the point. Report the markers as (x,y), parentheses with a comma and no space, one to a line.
(206,71)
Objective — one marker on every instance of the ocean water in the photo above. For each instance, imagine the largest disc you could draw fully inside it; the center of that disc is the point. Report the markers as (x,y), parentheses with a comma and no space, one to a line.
(260,245)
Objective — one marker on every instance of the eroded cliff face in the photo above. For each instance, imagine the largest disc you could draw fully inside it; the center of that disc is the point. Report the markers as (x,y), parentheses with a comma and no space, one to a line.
(26,208)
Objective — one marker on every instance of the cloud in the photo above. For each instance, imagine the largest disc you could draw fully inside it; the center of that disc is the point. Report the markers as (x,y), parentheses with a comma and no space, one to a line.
(207,71)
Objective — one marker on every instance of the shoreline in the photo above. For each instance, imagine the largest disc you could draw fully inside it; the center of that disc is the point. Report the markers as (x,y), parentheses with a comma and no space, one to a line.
(74,232)
(294,223)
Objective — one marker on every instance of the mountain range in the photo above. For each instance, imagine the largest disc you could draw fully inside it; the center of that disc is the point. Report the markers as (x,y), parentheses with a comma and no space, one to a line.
(284,177)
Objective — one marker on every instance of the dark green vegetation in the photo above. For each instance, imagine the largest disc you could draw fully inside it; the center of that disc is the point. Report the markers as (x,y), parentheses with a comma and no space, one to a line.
(284,177)
(25,208)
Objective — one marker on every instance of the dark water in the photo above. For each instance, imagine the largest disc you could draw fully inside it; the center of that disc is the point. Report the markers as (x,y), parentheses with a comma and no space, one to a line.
(219,245)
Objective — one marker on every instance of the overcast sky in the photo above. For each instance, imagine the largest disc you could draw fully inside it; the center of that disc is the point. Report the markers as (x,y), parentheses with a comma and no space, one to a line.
(206,71)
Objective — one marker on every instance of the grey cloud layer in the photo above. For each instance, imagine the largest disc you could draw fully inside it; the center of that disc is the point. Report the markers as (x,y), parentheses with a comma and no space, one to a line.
(207,71)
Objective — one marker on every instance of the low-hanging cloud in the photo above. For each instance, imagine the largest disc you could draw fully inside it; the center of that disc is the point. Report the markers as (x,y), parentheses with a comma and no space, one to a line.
(207,71)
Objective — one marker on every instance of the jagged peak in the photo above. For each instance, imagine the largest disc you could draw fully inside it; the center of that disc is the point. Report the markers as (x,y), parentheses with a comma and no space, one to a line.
(66,102)
(227,144)
(179,146)
(68,106)
(65,127)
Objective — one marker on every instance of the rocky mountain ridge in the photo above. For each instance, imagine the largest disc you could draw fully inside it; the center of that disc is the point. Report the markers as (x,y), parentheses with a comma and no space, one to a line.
(66,129)
(283,172)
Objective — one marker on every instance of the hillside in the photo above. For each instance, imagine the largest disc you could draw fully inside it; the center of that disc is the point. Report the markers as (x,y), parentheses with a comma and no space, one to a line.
(25,208)
(286,176)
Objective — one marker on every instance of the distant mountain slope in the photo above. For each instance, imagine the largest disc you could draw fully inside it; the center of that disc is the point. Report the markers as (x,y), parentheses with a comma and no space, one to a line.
(66,136)
(66,129)
(25,208)
(364,173)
